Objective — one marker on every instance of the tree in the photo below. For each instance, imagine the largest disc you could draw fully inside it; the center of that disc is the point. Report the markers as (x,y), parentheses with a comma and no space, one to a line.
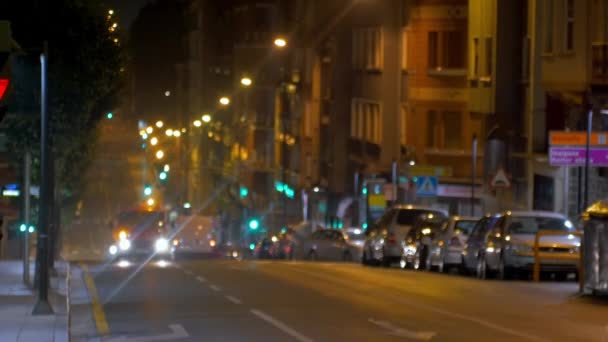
(85,78)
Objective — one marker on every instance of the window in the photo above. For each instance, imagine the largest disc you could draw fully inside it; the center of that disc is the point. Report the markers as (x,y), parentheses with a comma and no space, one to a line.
(404,49)
(368,48)
(475,55)
(446,50)
(433,50)
(489,57)
(549,22)
(444,130)
(569,26)
(366,121)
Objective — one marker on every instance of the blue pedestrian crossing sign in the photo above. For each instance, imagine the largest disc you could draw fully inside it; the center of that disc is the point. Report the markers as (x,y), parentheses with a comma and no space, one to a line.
(426,186)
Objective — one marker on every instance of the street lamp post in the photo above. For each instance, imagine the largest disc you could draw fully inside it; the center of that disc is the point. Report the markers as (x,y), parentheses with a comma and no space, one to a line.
(588,155)
(473,174)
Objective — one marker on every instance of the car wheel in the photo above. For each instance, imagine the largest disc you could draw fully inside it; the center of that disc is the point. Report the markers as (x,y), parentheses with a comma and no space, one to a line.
(346,256)
(482,268)
(364,260)
(417,261)
(441,265)
(312,256)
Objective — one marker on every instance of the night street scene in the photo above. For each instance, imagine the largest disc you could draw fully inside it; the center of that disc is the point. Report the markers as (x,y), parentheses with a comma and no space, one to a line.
(303,170)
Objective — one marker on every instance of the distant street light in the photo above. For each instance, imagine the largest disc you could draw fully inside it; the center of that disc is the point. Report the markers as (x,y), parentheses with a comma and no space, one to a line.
(169,132)
(197,123)
(167,93)
(110,12)
(206,118)
(149,130)
(150,202)
(116,40)
(160,124)
(115,25)
(160,154)
(280,42)
(177,133)
(224,101)
(154,141)
(246,81)
(166,168)
(316,189)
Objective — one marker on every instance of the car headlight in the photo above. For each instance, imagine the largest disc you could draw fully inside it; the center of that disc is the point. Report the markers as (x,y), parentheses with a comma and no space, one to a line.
(161,245)
(523,248)
(113,250)
(124,245)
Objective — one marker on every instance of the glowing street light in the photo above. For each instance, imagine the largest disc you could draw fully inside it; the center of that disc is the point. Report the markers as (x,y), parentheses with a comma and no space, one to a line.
(246,81)
(160,124)
(111,12)
(177,133)
(115,25)
(197,123)
(160,154)
(149,130)
(167,93)
(280,42)
(154,141)
(166,168)
(206,118)
(224,101)
(169,132)
(150,202)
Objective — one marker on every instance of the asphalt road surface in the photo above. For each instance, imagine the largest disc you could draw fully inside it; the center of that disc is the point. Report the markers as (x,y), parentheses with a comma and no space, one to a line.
(225,300)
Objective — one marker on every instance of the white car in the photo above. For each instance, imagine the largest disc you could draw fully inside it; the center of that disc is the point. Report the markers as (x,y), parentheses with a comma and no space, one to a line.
(446,248)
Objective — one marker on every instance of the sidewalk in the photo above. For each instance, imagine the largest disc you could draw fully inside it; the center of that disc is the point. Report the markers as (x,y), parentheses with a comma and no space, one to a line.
(17,302)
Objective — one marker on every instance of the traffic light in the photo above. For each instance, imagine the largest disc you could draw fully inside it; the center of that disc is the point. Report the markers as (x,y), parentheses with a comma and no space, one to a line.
(147,190)
(253,224)
(23,228)
(162,176)
(110,115)
(243,192)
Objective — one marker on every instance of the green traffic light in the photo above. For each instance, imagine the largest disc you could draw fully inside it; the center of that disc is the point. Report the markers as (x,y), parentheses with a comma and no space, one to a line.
(110,115)
(254,224)
(243,192)
(162,175)
(364,191)
(31,229)
(252,246)
(22,228)
(148,190)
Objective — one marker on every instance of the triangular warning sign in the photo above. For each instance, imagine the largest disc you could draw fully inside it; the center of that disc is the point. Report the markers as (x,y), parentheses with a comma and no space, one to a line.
(427,186)
(500,180)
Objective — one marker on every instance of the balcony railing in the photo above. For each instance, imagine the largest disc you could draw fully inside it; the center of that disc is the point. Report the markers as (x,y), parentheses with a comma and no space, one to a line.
(599,63)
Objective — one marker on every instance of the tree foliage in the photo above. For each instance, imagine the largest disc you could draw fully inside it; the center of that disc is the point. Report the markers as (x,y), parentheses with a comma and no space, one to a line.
(84,79)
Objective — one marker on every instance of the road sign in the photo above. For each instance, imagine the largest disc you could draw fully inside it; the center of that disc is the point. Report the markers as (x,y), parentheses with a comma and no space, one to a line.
(575,156)
(561,138)
(500,180)
(426,186)
(427,170)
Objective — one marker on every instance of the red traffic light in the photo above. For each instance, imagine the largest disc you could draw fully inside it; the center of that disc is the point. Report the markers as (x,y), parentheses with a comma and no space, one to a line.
(3,86)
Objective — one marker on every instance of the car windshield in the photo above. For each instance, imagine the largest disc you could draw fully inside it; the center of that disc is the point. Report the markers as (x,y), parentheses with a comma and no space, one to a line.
(532,224)
(464,227)
(407,217)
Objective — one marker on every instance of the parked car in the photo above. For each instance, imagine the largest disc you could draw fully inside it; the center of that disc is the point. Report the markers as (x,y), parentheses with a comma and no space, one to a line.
(418,241)
(356,240)
(470,251)
(324,244)
(446,249)
(264,249)
(383,242)
(507,247)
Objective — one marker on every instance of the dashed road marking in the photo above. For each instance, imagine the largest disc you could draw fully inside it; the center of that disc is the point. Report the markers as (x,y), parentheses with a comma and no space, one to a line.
(201,279)
(234,300)
(215,287)
(281,326)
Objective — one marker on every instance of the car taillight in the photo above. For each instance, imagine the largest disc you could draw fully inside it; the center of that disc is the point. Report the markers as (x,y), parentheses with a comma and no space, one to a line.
(392,239)
(455,241)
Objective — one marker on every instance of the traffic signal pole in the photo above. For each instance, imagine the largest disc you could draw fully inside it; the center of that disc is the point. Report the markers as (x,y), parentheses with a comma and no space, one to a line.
(43,307)
(27,164)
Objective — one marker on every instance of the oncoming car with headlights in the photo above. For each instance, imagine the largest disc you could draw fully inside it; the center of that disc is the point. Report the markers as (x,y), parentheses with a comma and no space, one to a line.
(139,233)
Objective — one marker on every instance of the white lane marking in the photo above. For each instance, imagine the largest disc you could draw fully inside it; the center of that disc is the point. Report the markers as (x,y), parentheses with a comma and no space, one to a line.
(234,300)
(397,331)
(281,326)
(215,288)
(201,279)
(177,332)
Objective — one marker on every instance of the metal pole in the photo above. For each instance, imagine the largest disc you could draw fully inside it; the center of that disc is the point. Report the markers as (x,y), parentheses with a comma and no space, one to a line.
(356,197)
(473,174)
(284,176)
(395,183)
(27,163)
(43,306)
(587,159)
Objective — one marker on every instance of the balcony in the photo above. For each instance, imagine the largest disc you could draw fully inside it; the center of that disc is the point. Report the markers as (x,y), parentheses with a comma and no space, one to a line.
(599,64)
